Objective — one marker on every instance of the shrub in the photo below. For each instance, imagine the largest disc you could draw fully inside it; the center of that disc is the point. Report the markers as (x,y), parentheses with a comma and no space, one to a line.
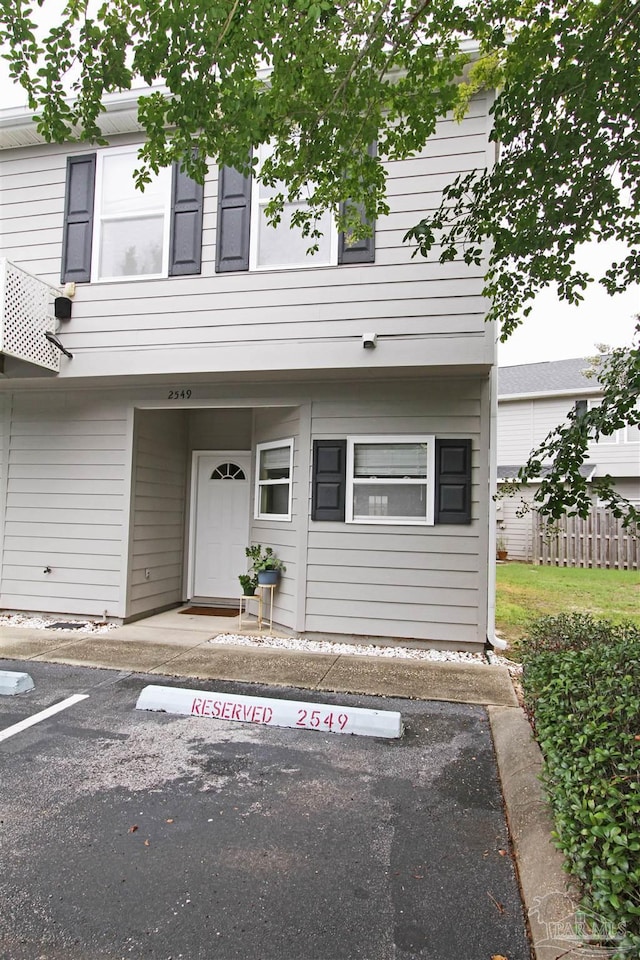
(582,685)
(574,631)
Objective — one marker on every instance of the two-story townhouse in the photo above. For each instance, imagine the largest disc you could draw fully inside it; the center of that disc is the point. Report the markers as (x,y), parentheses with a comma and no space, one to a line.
(533,399)
(220,387)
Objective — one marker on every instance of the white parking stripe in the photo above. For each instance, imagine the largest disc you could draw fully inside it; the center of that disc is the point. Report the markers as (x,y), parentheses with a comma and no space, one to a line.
(43,715)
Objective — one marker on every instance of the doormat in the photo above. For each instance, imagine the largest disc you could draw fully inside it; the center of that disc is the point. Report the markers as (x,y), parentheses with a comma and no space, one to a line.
(211,611)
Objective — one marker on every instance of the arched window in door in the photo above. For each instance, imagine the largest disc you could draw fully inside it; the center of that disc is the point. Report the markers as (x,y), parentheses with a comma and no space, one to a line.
(228,471)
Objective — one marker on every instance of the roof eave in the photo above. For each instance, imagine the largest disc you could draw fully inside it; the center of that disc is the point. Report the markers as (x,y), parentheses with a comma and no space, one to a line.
(596,389)
(18,125)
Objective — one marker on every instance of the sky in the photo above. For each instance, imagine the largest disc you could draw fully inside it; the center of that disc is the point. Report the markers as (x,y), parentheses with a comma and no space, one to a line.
(559,331)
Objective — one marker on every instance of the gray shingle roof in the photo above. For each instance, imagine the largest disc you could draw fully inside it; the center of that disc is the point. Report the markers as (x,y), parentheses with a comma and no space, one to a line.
(547,377)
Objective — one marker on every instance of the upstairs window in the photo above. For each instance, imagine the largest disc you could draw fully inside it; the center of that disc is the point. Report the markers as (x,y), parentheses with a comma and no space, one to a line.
(131,227)
(245,240)
(112,231)
(281,246)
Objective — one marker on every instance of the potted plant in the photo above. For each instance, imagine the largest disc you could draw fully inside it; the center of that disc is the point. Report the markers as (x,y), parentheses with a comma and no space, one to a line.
(265,565)
(248,584)
(501,548)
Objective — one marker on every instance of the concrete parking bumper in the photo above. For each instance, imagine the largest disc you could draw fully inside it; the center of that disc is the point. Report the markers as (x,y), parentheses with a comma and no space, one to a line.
(13,682)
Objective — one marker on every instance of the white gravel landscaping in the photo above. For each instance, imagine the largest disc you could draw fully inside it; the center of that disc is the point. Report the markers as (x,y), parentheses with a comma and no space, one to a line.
(30,622)
(365,650)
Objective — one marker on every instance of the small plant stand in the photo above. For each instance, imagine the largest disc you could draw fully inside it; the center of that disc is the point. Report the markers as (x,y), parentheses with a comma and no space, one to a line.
(264,601)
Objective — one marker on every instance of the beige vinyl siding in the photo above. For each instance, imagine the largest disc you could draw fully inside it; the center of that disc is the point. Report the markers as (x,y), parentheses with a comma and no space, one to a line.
(66,487)
(394,580)
(387,591)
(522,424)
(158,510)
(29,178)
(220,429)
(618,459)
(515,431)
(630,489)
(423,312)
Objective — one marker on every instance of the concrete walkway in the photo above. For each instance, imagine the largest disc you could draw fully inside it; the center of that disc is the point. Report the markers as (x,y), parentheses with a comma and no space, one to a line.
(177,645)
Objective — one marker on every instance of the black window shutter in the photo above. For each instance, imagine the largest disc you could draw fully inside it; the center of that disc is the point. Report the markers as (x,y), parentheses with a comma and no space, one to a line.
(185,238)
(364,250)
(234,210)
(78,219)
(329,479)
(453,481)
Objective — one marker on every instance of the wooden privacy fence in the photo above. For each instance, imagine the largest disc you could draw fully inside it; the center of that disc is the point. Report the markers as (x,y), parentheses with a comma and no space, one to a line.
(599,541)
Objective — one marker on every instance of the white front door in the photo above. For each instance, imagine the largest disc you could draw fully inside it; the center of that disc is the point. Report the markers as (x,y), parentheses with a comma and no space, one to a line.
(220,527)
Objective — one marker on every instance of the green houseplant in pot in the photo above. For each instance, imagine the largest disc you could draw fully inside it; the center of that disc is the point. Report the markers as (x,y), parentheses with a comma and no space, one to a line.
(264,564)
(248,582)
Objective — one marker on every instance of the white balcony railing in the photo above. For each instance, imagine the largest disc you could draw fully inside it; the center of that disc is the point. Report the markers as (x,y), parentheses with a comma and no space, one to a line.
(26,314)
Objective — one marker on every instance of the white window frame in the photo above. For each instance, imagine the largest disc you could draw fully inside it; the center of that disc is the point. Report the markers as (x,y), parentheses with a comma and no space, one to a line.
(430,442)
(99,219)
(259,484)
(257,219)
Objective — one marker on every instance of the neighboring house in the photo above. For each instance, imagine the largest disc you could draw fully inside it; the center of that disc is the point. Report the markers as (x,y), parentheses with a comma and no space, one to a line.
(225,388)
(533,398)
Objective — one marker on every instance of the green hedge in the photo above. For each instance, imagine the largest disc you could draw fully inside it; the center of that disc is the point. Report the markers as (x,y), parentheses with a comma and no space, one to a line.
(582,689)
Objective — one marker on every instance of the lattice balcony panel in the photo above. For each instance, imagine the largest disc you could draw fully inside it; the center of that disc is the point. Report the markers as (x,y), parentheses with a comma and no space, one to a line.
(26,313)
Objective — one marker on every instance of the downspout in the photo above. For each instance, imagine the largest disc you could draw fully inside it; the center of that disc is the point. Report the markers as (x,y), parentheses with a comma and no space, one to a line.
(496,642)
(492,640)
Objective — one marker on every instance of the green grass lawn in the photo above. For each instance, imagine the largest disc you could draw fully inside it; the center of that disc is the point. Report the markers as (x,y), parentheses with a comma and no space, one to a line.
(525,592)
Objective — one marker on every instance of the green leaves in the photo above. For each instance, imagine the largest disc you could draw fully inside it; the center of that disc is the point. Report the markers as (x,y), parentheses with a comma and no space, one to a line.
(319,79)
(322,79)
(582,685)
(566,119)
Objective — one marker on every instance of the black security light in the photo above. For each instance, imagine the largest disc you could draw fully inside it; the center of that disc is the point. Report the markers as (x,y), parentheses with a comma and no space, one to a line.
(62,308)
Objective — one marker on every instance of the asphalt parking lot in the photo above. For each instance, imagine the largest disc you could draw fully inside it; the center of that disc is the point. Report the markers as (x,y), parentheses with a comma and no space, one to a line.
(133,834)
